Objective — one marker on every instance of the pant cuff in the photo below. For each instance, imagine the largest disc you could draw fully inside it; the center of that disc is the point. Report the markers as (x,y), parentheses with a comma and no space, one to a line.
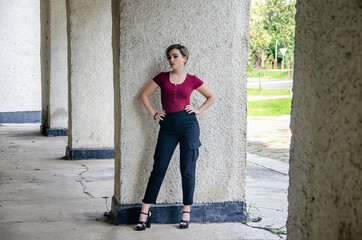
(146,202)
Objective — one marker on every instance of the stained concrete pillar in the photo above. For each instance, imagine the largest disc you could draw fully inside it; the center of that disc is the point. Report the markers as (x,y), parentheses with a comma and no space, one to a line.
(325,195)
(90,80)
(216,34)
(54,68)
(20,87)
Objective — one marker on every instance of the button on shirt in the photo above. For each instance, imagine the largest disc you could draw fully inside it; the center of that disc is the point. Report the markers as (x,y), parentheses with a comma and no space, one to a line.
(175,97)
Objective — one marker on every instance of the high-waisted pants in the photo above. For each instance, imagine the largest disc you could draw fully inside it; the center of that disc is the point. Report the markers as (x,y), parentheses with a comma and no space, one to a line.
(180,127)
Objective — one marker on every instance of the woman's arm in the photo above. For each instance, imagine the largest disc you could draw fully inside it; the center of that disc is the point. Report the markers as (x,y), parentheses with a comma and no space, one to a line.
(210,99)
(147,91)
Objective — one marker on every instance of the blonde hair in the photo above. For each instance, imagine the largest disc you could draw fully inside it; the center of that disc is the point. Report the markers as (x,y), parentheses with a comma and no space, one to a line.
(183,50)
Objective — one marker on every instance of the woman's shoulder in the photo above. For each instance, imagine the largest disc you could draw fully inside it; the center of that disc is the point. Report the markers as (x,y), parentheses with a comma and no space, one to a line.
(193,77)
(162,74)
(160,77)
(196,82)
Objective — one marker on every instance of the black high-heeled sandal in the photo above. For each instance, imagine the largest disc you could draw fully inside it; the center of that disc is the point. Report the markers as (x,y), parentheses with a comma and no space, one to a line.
(184,226)
(146,224)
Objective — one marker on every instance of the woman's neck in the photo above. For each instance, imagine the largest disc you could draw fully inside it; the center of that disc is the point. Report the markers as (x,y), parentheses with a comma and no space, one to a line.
(179,72)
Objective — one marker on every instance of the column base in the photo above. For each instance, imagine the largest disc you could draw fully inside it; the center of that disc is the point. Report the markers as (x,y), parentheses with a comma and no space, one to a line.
(20,117)
(171,213)
(54,132)
(89,153)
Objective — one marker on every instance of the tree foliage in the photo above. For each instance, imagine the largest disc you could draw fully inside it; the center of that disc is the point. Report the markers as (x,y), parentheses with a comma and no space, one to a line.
(271,21)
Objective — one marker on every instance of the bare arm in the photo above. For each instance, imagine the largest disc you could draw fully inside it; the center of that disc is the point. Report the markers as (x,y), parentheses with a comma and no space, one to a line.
(147,91)
(210,99)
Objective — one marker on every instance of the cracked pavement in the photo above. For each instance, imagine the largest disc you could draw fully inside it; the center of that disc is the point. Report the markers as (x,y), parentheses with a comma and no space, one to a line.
(44,196)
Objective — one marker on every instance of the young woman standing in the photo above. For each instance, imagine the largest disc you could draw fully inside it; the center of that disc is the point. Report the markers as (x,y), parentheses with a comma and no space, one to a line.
(178,125)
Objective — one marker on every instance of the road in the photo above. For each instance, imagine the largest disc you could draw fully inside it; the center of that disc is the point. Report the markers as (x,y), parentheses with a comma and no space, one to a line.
(270,83)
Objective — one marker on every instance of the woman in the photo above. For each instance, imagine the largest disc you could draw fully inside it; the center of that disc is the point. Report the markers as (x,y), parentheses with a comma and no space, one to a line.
(178,125)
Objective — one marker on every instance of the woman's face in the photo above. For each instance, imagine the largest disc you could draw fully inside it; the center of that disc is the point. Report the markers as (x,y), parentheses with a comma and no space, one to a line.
(176,59)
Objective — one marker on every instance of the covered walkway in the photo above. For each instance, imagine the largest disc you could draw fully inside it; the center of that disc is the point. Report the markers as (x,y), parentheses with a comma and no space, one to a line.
(44,196)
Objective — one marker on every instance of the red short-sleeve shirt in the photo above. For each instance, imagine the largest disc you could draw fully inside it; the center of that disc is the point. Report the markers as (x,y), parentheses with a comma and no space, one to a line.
(175,97)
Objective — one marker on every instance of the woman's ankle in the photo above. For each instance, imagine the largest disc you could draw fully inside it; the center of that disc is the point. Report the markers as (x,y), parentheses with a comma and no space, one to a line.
(187,208)
(145,207)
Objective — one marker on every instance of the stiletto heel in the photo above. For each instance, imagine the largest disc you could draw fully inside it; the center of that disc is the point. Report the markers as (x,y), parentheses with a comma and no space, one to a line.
(184,226)
(146,224)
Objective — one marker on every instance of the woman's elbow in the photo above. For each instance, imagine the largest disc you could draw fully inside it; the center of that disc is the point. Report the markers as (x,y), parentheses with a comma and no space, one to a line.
(213,97)
(142,95)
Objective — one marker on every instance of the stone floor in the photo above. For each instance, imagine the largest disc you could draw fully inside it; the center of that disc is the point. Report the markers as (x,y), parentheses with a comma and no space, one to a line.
(44,196)
(269,137)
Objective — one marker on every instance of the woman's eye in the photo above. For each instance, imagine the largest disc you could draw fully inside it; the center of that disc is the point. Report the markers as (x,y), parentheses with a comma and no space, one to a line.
(176,56)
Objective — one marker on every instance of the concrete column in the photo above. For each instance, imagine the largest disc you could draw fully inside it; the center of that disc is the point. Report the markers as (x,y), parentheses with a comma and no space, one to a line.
(325,196)
(217,36)
(20,87)
(91,121)
(54,68)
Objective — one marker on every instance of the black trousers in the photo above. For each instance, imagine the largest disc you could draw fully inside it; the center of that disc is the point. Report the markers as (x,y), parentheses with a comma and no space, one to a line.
(180,127)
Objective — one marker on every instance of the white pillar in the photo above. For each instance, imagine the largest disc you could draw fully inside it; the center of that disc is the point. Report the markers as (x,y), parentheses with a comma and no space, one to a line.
(91,123)
(216,34)
(54,68)
(325,161)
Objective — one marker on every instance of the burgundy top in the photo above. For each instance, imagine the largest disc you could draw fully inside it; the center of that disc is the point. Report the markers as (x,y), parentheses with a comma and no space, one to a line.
(175,97)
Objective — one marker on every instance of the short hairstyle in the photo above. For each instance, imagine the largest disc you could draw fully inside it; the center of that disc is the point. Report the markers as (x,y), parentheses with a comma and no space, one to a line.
(183,50)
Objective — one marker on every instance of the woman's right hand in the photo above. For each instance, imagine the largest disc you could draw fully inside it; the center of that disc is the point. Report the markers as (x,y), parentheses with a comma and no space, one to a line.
(161,115)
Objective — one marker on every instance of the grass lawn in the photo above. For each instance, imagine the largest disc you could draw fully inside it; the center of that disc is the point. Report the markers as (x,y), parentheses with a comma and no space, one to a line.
(269,74)
(272,107)
(268,92)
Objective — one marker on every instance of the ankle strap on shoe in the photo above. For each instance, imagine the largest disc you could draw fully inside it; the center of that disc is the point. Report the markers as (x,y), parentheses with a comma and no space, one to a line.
(185,212)
(145,213)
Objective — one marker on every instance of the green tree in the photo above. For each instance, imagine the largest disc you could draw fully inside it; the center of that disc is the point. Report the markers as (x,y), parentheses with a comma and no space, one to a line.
(271,21)
(259,37)
(279,22)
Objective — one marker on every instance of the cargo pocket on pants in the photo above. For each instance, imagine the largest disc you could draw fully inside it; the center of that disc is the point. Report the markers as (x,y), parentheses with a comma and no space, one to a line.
(194,147)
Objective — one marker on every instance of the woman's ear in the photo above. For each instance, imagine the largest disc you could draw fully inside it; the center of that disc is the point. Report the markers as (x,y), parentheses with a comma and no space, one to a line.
(185,60)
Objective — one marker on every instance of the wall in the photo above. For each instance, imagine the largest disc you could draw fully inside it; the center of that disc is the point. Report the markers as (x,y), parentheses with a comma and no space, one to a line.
(325,195)
(20,57)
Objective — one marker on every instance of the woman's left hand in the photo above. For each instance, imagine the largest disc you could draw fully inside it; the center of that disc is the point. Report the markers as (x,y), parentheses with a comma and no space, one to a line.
(191,109)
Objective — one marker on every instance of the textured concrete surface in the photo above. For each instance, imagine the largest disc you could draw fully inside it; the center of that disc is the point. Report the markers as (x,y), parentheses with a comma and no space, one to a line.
(45,61)
(44,196)
(91,123)
(325,195)
(20,88)
(217,37)
(54,64)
